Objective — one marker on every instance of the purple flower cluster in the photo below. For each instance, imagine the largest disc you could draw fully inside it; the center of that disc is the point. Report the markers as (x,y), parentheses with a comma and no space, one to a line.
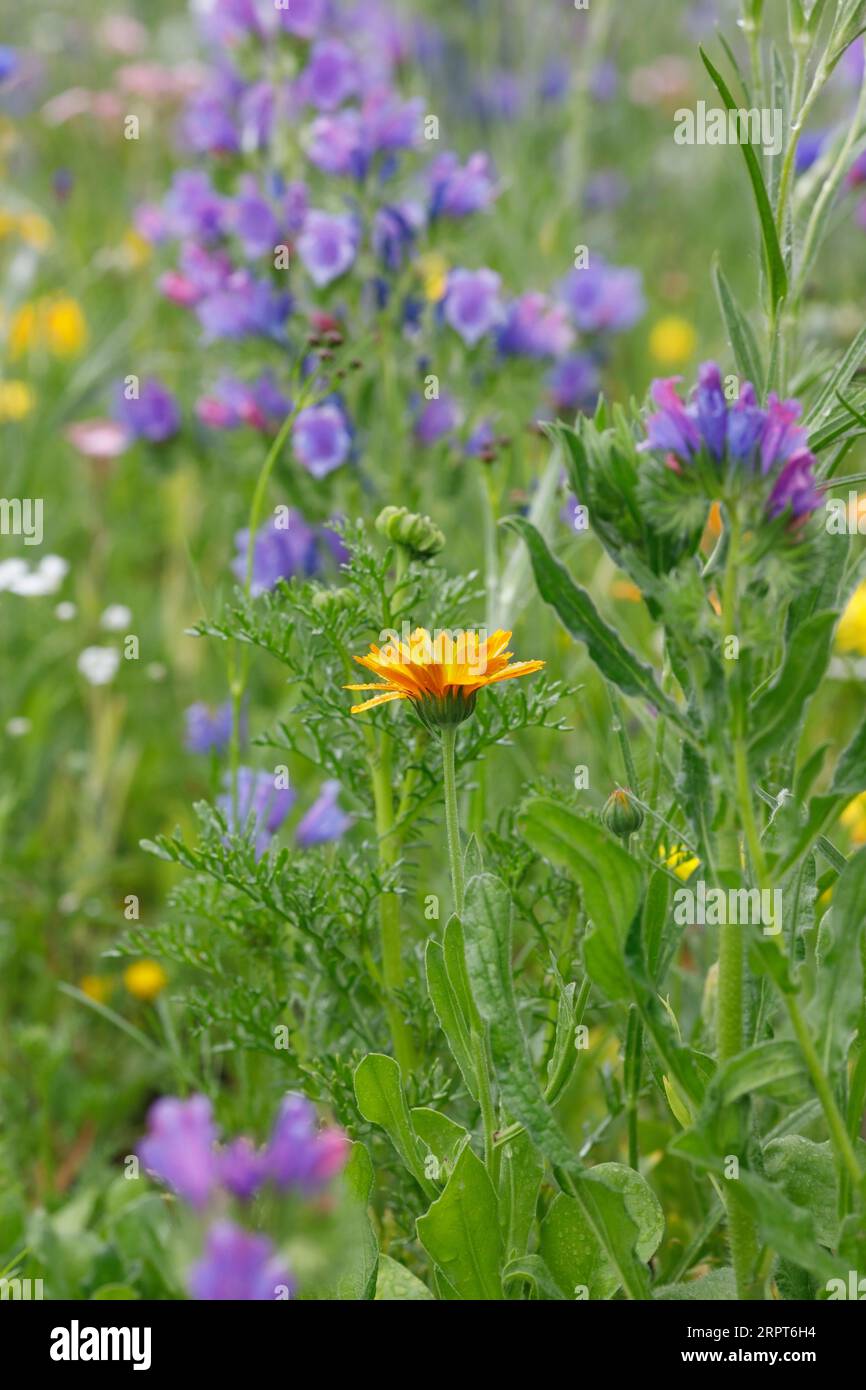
(286,546)
(181,1149)
(765,442)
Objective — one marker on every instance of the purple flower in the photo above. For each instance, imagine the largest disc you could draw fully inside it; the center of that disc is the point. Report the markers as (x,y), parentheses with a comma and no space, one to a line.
(795,488)
(606,189)
(335,144)
(295,204)
(208,126)
(573,383)
(328,246)
(857,173)
(394,230)
(482,439)
(389,122)
(280,552)
(322,438)
(456,191)
(324,821)
(782,436)
(253,221)
(256,116)
(208,730)
(330,77)
(472,305)
(152,415)
(712,409)
(534,327)
(436,419)
(192,208)
(9,62)
(672,429)
(230,21)
(745,425)
(604,298)
(239,1266)
(304,18)
(242,1168)
(231,403)
(179,1147)
(259,802)
(604,81)
(300,1156)
(243,308)
(809,149)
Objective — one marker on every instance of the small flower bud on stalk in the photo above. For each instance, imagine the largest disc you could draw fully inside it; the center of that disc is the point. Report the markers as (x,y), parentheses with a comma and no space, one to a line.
(420,536)
(621,814)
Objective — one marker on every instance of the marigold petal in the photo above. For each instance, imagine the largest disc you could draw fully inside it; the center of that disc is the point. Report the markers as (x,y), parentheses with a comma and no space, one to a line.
(378,700)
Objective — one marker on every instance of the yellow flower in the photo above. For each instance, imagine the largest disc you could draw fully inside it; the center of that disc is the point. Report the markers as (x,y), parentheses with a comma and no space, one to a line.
(672,341)
(16,400)
(434,275)
(65,326)
(441,674)
(679,861)
(854,819)
(96,987)
(145,979)
(56,323)
(851,632)
(626,589)
(35,230)
(8,223)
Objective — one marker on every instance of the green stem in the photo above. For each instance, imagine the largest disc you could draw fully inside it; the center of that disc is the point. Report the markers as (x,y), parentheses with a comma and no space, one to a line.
(389,907)
(452,823)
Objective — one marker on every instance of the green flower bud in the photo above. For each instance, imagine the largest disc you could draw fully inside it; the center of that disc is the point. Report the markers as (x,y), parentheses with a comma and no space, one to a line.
(621,814)
(332,600)
(420,536)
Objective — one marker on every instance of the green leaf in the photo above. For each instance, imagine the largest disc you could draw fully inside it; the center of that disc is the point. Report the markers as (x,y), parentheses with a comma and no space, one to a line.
(758,1068)
(379,1093)
(531,1269)
(838,999)
(450,1016)
(609,880)
(395,1283)
(806,1173)
(719,1284)
(114,1293)
(839,379)
(443,1137)
(520,1178)
(742,339)
(460,1231)
(487,922)
(578,614)
(570,1247)
(775,715)
(776,274)
(359,1280)
(659,932)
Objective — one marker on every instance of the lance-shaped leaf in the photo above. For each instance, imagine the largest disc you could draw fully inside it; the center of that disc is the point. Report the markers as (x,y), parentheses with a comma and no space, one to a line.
(776,713)
(609,880)
(460,1231)
(775,264)
(379,1093)
(579,615)
(487,924)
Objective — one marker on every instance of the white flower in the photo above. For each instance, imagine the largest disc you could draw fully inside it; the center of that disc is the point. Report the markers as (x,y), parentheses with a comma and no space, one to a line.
(18,727)
(11,573)
(65,612)
(46,578)
(98,665)
(116,617)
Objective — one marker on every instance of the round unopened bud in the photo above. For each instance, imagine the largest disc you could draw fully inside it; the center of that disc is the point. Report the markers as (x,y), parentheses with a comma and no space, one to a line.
(332,600)
(417,533)
(621,814)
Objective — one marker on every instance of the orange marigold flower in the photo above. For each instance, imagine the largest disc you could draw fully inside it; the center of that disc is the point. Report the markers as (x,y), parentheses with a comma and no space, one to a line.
(441,674)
